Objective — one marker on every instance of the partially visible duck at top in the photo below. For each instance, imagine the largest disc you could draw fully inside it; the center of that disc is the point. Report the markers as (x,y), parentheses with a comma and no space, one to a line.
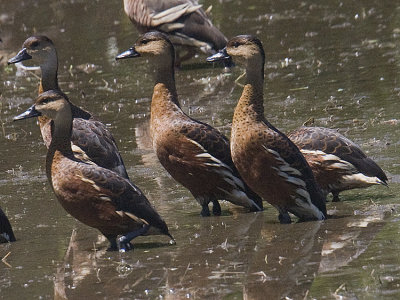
(91,140)
(6,232)
(338,163)
(194,153)
(267,160)
(96,196)
(184,21)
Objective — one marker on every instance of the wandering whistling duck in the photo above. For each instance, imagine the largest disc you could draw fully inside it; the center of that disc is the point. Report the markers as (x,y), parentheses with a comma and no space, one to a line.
(194,153)
(267,160)
(338,163)
(96,196)
(6,232)
(91,140)
(184,21)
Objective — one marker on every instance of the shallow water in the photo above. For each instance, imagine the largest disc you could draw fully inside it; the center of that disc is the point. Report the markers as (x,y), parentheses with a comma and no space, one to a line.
(336,62)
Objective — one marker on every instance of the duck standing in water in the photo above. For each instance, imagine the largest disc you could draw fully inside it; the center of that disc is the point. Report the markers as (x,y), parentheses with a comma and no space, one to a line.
(96,196)
(91,140)
(267,160)
(194,153)
(184,21)
(338,163)
(6,232)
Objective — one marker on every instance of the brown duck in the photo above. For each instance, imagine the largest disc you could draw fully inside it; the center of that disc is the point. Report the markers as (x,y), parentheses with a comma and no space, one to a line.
(338,163)
(96,196)
(194,153)
(184,21)
(6,232)
(267,160)
(91,140)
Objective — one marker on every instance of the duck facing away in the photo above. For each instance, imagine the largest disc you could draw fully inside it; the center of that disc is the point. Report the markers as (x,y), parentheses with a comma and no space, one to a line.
(266,159)
(96,196)
(6,232)
(338,163)
(184,21)
(91,140)
(194,153)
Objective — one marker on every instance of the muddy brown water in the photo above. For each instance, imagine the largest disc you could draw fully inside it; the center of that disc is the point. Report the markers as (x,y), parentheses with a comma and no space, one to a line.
(337,62)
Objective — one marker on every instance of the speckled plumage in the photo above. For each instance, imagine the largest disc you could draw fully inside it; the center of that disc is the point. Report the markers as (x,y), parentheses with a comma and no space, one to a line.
(336,160)
(194,153)
(184,21)
(266,159)
(96,196)
(6,232)
(92,141)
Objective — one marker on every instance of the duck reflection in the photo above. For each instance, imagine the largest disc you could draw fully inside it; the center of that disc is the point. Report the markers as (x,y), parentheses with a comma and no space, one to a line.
(238,255)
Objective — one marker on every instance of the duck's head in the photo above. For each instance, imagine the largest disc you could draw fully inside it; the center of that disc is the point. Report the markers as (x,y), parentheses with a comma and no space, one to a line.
(154,45)
(36,47)
(246,50)
(50,104)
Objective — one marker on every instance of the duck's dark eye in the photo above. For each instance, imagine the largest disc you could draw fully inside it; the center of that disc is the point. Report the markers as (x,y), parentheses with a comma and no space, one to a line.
(35,44)
(236,44)
(45,100)
(144,42)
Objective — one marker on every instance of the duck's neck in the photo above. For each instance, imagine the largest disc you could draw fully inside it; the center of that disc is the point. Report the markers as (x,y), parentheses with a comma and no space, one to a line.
(61,140)
(252,98)
(49,68)
(165,97)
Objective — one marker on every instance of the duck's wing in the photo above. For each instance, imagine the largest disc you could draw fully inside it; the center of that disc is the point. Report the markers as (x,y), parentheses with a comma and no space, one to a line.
(184,20)
(210,139)
(330,141)
(154,13)
(122,194)
(293,167)
(93,142)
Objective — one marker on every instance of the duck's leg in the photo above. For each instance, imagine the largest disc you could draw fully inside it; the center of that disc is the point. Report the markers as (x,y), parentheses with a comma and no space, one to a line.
(216,208)
(335,195)
(284,217)
(113,243)
(124,241)
(205,211)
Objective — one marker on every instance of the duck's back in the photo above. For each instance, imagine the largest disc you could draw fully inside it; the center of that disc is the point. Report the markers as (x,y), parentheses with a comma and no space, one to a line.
(100,198)
(182,19)
(330,141)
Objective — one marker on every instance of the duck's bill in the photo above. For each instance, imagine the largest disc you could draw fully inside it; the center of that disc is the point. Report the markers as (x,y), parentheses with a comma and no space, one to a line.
(21,56)
(221,55)
(31,112)
(130,53)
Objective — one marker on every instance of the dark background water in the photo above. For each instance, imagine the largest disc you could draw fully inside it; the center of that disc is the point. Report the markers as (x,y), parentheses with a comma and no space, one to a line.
(334,61)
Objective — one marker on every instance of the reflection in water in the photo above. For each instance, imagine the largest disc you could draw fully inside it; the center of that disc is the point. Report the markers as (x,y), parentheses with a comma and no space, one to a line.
(236,255)
(77,265)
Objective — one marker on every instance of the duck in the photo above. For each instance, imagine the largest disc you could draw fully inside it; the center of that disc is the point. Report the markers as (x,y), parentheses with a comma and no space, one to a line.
(194,153)
(268,161)
(6,232)
(91,140)
(184,21)
(95,196)
(338,163)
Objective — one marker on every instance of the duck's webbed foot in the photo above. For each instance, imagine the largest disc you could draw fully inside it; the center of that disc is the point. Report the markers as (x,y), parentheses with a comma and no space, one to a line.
(124,241)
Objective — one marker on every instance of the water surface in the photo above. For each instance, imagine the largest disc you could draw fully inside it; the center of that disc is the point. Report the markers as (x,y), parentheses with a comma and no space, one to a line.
(336,62)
